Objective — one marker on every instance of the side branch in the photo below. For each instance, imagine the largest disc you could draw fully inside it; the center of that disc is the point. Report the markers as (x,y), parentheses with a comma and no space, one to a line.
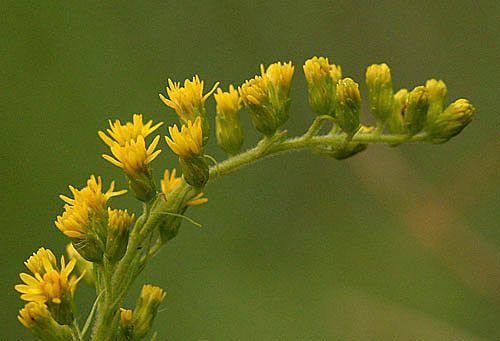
(274,145)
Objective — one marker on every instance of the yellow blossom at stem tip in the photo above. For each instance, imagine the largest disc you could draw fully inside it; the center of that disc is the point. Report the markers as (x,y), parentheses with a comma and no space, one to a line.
(188,141)
(133,157)
(170,182)
(86,203)
(41,262)
(123,133)
(188,101)
(228,103)
(52,287)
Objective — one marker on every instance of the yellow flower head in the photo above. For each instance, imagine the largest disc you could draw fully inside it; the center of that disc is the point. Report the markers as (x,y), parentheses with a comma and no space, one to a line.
(254,92)
(188,101)
(133,157)
(88,202)
(280,76)
(41,262)
(129,131)
(152,293)
(54,286)
(188,141)
(228,103)
(32,313)
(317,69)
(120,219)
(322,78)
(125,317)
(170,181)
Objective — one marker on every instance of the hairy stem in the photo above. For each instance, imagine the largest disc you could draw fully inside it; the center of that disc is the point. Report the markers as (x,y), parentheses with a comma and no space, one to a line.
(267,146)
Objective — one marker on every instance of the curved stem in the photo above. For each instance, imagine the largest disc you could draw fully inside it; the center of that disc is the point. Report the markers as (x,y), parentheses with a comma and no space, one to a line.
(306,141)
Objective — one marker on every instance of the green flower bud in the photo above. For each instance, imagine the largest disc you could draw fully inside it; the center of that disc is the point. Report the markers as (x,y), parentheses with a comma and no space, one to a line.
(142,185)
(436,91)
(146,309)
(396,120)
(349,106)
(379,82)
(322,78)
(195,170)
(451,121)
(349,151)
(416,110)
(37,318)
(119,224)
(227,122)
(90,247)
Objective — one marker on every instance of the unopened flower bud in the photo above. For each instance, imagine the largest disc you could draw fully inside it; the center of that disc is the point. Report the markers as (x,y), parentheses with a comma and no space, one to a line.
(322,78)
(195,170)
(36,317)
(119,224)
(146,309)
(416,110)
(126,326)
(142,185)
(89,247)
(342,152)
(349,106)
(227,122)
(436,91)
(396,120)
(379,82)
(451,121)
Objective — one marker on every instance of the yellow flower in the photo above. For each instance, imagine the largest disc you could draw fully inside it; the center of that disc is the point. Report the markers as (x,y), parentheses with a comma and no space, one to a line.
(133,157)
(40,321)
(125,317)
(170,182)
(197,200)
(254,92)
(33,312)
(152,293)
(187,101)
(87,203)
(187,142)
(41,262)
(228,103)
(122,134)
(120,219)
(146,309)
(268,96)
(54,286)
(322,78)
(280,75)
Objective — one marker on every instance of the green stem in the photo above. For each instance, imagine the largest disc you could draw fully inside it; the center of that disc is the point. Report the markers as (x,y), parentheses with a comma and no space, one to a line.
(114,280)
(306,141)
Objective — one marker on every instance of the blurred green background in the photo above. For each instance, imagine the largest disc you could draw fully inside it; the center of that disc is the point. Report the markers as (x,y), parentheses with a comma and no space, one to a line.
(396,243)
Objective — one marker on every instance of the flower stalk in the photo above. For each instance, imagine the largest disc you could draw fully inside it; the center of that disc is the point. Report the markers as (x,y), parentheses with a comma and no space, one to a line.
(110,247)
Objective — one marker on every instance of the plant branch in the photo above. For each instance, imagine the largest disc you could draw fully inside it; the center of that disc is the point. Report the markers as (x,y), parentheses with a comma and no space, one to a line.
(268,146)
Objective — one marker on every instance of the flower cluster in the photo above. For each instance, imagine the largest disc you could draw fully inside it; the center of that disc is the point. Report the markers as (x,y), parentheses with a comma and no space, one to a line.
(110,247)
(49,286)
(84,219)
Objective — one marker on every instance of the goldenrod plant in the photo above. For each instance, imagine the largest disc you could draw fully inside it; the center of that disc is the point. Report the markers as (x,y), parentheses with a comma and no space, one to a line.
(109,247)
